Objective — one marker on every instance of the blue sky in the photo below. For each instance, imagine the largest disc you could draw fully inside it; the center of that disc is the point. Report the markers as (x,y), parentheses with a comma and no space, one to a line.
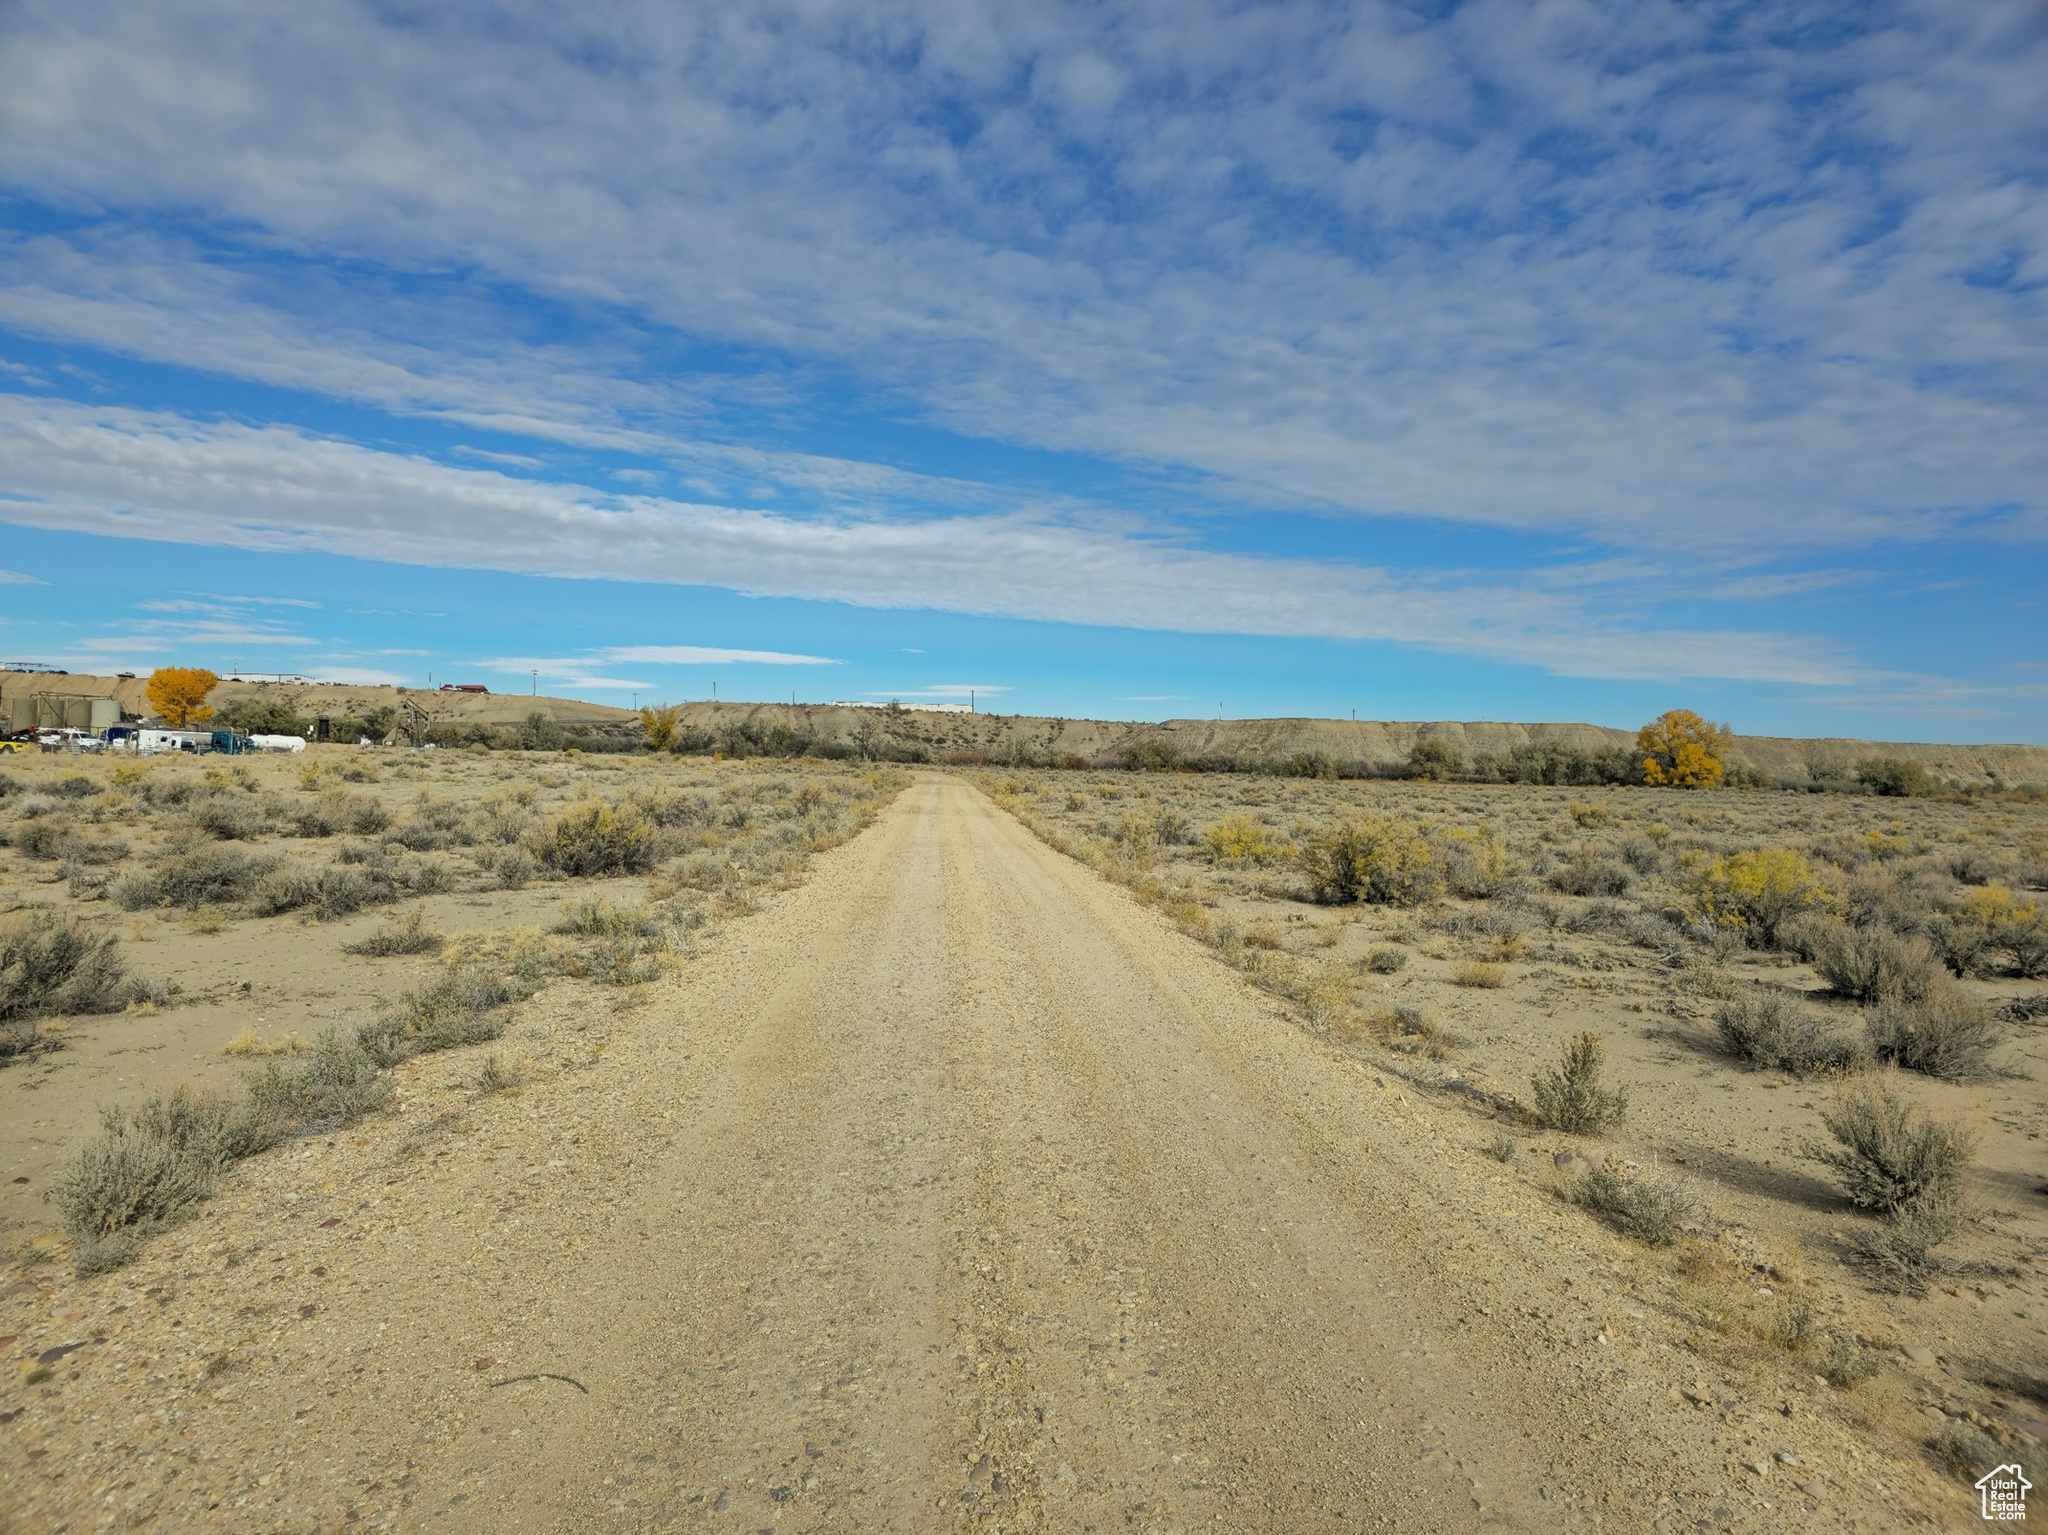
(1560,361)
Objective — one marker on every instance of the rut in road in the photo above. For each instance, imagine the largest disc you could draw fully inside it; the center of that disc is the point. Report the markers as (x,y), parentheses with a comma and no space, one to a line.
(1001,1206)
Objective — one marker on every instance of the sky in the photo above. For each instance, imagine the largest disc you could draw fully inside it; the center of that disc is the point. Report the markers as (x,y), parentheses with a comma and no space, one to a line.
(1538,361)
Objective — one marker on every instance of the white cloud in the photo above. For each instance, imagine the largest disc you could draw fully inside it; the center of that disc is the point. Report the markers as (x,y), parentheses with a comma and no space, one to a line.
(16,578)
(157,476)
(708,655)
(1675,277)
(943,690)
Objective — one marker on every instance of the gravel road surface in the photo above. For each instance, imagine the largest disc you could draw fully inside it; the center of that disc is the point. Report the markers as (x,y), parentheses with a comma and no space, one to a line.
(955,1191)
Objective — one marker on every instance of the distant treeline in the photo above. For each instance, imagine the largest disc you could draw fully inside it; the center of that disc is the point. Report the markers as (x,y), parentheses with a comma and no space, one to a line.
(877,739)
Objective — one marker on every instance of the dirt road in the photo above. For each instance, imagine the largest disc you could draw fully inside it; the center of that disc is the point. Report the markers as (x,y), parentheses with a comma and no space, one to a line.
(962,1193)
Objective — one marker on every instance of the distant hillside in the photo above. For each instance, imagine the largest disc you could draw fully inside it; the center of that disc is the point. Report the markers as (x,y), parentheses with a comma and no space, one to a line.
(1027,738)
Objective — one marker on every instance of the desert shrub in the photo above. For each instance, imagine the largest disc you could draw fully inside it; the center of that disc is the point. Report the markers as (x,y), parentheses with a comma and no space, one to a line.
(1897,778)
(1435,760)
(1775,1032)
(1591,874)
(432,827)
(1993,920)
(209,1127)
(1965,1451)
(512,867)
(262,717)
(230,817)
(1573,1098)
(193,874)
(593,916)
(123,1184)
(47,838)
(1239,839)
(538,732)
(1848,1364)
(596,838)
(412,936)
(1641,853)
(1308,764)
(1483,974)
(459,1007)
(1871,963)
(1477,865)
(337,1085)
(332,814)
(1946,1033)
(75,786)
(1387,959)
(1899,1252)
(1153,757)
(1891,1154)
(1553,762)
(622,961)
(1653,1211)
(1756,891)
(1375,860)
(1878,897)
(59,966)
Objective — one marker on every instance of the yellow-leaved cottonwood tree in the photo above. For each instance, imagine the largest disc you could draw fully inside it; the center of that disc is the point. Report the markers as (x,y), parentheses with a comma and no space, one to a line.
(178,693)
(1682,751)
(661,726)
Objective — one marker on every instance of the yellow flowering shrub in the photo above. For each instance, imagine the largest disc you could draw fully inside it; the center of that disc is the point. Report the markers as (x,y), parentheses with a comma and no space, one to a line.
(1756,891)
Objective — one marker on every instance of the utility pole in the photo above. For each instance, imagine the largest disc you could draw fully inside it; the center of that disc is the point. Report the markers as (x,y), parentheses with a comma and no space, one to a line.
(536,682)
(970,700)
(714,692)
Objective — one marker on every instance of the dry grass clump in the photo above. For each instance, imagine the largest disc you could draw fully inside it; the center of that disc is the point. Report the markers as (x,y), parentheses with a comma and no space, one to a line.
(1387,959)
(246,1043)
(497,1077)
(1653,1211)
(1483,974)
(412,936)
(459,1007)
(1573,1098)
(1769,1028)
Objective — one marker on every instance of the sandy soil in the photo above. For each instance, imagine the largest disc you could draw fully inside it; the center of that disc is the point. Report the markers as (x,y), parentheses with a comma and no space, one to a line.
(960,1191)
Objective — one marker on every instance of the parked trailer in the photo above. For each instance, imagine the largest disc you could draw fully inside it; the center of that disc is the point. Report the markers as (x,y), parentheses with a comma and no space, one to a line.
(278,743)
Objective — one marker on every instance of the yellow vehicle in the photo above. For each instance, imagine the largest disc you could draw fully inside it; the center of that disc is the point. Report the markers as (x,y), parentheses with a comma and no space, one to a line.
(11,746)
